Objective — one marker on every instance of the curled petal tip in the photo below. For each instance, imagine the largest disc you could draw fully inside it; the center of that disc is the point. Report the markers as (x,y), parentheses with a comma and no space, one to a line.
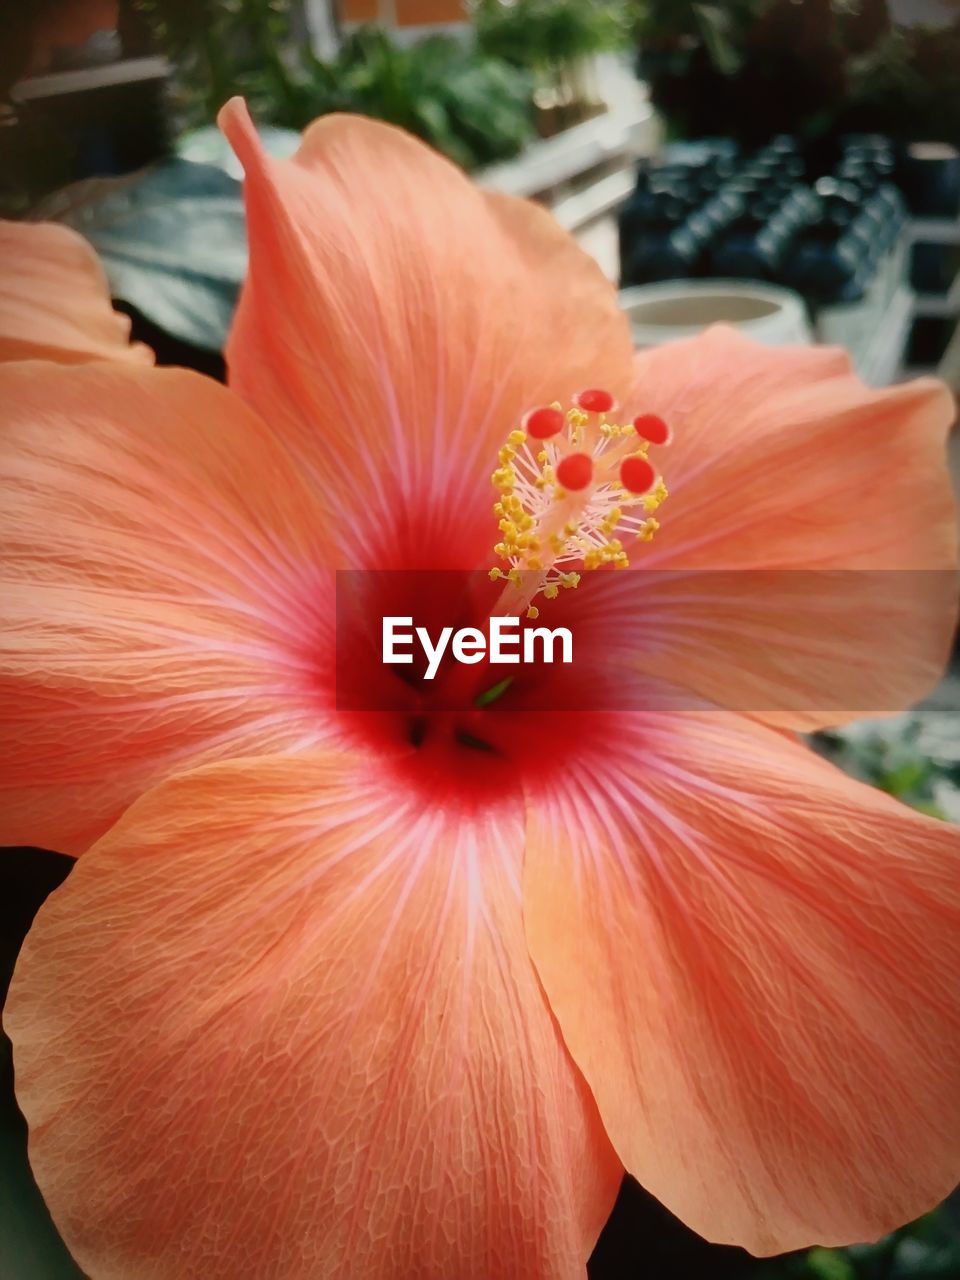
(236,125)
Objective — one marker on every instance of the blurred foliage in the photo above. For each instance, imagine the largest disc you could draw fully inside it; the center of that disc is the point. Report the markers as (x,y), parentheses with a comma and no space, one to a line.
(746,67)
(30,1248)
(173,242)
(473,107)
(555,41)
(719,27)
(908,85)
(215,42)
(543,35)
(928,1249)
(468,103)
(915,757)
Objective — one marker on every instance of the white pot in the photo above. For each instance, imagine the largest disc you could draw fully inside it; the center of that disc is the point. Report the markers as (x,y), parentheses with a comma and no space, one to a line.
(674,309)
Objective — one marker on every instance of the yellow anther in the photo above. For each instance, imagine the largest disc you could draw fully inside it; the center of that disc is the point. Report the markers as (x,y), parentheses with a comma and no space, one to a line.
(652,501)
(533,613)
(544,526)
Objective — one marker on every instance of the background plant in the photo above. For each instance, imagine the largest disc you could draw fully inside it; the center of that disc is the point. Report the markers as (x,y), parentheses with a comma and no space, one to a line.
(750,68)
(541,34)
(474,107)
(554,39)
(467,102)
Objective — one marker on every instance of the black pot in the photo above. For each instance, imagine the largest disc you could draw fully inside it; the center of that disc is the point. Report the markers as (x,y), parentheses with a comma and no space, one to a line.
(930,179)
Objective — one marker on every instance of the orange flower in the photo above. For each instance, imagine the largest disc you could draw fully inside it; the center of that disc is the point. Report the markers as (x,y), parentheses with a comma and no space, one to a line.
(402,993)
(54,303)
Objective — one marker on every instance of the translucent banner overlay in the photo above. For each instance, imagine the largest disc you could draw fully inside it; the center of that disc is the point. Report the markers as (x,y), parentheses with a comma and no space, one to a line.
(819,643)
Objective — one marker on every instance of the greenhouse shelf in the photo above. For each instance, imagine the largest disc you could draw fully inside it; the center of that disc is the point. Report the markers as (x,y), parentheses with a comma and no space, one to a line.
(83,79)
(939,306)
(935,231)
(614,140)
(879,360)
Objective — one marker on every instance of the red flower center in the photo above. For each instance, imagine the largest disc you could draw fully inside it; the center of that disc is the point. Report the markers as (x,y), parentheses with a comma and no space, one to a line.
(481,728)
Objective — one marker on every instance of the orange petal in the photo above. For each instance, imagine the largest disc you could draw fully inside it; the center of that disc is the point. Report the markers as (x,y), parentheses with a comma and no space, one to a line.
(802,649)
(831,505)
(55,302)
(162,591)
(782,458)
(396,324)
(281,1021)
(754,960)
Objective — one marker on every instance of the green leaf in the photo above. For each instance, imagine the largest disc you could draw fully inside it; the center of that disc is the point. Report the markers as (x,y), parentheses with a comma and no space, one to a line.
(172,240)
(714,28)
(902,779)
(830,1264)
(30,1248)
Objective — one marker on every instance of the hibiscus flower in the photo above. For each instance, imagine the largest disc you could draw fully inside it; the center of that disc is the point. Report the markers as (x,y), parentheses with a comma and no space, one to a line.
(54,303)
(403,992)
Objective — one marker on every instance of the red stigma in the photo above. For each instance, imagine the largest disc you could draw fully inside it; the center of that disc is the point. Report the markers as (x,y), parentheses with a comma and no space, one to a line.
(594,401)
(637,475)
(541,424)
(575,471)
(649,427)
